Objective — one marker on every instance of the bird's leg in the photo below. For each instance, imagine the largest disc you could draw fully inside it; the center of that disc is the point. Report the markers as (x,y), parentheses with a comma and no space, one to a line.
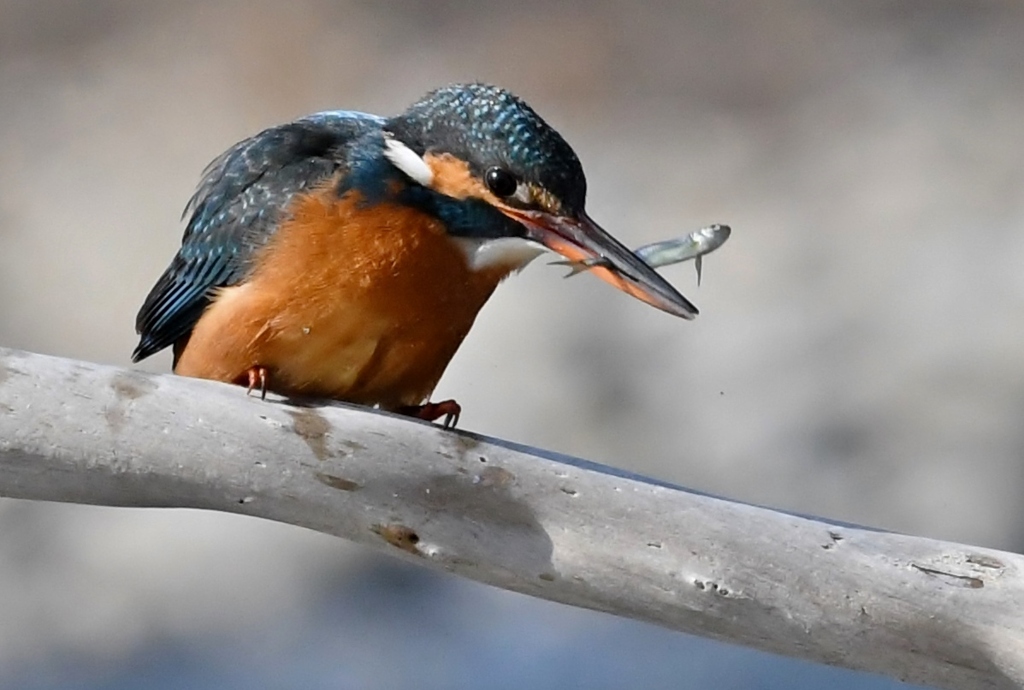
(257,374)
(432,411)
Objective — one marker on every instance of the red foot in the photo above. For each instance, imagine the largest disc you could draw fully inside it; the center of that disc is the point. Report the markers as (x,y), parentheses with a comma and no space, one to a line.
(258,375)
(431,412)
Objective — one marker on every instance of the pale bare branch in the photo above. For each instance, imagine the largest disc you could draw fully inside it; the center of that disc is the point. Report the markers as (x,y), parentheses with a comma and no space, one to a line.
(549,526)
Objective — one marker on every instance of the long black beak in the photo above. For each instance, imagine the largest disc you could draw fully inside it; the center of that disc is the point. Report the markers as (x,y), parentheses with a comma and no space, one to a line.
(580,238)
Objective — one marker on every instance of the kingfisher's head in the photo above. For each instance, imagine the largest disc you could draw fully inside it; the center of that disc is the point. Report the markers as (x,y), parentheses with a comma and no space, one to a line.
(476,144)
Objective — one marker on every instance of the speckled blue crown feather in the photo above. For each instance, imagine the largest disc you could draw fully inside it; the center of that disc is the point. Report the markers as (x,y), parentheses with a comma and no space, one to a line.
(488,126)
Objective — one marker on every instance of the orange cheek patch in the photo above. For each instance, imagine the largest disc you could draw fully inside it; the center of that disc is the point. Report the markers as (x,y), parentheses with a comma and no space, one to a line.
(453,178)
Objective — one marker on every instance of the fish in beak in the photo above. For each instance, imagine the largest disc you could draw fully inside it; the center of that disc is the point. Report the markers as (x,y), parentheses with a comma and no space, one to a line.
(581,239)
(667,252)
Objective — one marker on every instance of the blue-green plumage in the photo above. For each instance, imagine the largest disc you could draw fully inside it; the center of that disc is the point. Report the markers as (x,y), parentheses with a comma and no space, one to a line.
(236,208)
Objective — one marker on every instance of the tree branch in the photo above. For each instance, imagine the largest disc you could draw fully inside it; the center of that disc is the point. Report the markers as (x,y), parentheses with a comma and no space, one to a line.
(523,519)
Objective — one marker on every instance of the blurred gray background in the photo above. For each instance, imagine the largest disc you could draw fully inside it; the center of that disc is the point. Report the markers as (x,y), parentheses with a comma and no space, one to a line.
(860,352)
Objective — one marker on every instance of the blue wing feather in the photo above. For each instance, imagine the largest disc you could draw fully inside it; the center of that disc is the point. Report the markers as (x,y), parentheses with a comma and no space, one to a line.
(236,208)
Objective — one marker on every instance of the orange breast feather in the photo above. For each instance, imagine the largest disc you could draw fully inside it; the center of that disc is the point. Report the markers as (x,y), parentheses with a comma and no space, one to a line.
(363,304)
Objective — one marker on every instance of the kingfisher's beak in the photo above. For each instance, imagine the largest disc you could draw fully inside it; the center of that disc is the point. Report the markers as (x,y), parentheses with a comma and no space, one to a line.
(581,239)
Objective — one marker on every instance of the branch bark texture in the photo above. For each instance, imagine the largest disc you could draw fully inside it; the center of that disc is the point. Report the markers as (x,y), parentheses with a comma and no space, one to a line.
(555,527)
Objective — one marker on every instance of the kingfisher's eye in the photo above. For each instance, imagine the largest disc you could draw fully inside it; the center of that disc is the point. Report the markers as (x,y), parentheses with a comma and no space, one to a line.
(501,182)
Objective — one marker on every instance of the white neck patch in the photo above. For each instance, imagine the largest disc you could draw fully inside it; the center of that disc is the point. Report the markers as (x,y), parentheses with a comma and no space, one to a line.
(407,160)
(513,253)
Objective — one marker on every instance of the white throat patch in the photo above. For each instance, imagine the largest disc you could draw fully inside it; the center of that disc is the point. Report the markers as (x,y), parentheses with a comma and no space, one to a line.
(407,160)
(513,253)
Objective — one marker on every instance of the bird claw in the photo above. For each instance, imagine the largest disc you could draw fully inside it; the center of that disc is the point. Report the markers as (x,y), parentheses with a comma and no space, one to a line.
(257,374)
(431,412)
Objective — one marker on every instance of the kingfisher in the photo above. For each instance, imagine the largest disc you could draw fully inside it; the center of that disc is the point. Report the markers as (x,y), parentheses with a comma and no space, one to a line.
(345,255)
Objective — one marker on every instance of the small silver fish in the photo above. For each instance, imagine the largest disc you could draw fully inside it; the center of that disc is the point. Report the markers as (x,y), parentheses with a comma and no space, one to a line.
(693,246)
